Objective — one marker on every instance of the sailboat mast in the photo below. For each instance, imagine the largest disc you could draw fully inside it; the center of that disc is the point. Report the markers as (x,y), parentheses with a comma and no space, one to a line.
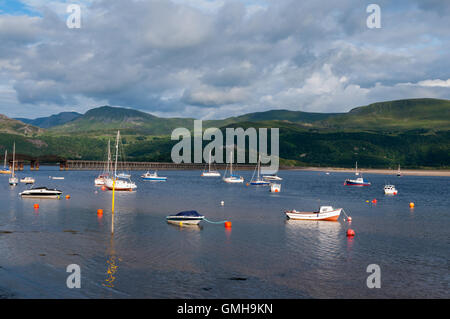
(259,161)
(231,163)
(117,153)
(14,158)
(6,154)
(109,157)
(209,162)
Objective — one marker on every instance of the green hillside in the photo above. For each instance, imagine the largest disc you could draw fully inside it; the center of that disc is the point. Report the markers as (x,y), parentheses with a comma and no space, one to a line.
(107,120)
(395,115)
(53,120)
(12,126)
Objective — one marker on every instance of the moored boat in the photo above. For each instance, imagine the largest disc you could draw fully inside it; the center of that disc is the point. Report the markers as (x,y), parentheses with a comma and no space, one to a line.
(41,192)
(259,181)
(272,177)
(27,180)
(356,182)
(327,213)
(13,180)
(232,179)
(5,169)
(209,172)
(275,188)
(390,190)
(185,218)
(153,177)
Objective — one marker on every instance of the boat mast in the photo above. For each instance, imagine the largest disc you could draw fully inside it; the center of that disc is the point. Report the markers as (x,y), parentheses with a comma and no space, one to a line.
(109,157)
(231,163)
(117,152)
(6,154)
(14,158)
(259,159)
(209,162)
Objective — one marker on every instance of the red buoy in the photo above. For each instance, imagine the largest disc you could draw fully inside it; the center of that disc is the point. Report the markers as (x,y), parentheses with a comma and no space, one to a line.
(227,224)
(374,201)
(350,233)
(349,219)
(99,211)
(36,206)
(103,188)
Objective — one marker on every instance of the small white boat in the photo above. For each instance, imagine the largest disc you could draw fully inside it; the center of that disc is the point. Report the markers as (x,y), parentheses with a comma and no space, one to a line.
(275,188)
(272,177)
(27,180)
(399,172)
(185,218)
(119,182)
(325,213)
(356,182)
(390,190)
(259,181)
(232,179)
(209,172)
(56,177)
(153,177)
(41,192)
(100,180)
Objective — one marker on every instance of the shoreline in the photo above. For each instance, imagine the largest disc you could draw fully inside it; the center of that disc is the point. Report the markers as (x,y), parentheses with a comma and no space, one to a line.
(406,172)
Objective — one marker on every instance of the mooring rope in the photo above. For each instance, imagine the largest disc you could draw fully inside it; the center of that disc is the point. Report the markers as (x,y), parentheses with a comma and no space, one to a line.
(211,222)
(344,213)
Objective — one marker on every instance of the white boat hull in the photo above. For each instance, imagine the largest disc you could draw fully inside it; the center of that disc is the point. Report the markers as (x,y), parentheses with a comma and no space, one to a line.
(210,174)
(329,216)
(120,185)
(233,180)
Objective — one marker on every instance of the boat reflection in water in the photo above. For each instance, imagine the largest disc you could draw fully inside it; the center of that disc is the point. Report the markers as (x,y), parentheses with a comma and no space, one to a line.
(112,264)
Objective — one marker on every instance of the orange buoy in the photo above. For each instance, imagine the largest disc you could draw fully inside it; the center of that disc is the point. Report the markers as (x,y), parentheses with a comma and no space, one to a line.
(374,201)
(350,233)
(67,196)
(36,206)
(227,224)
(103,188)
(247,184)
(99,211)
(411,205)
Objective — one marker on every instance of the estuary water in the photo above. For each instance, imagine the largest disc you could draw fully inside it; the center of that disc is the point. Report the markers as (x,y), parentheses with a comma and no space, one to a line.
(263,255)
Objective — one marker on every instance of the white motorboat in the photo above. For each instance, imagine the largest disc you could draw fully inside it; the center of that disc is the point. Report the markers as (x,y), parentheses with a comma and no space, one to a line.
(272,177)
(41,192)
(185,218)
(153,177)
(232,179)
(209,172)
(390,190)
(27,180)
(325,213)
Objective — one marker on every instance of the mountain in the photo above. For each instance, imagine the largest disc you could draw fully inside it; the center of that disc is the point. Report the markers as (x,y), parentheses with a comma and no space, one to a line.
(299,117)
(12,126)
(399,115)
(53,120)
(107,119)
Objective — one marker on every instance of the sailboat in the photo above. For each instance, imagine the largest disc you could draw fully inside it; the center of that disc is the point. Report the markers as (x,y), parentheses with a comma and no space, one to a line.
(259,181)
(356,169)
(100,179)
(398,171)
(121,183)
(232,179)
(5,169)
(13,180)
(210,173)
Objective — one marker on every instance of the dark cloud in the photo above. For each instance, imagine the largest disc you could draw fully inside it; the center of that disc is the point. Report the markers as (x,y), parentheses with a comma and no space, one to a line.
(175,58)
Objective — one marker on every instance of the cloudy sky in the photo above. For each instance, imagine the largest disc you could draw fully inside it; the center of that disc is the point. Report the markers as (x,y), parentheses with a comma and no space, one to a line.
(218,58)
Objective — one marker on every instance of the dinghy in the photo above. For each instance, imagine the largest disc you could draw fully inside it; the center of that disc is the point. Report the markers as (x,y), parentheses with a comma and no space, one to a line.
(325,213)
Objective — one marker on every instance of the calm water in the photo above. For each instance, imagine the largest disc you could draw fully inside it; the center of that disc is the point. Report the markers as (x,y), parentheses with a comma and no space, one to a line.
(262,256)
